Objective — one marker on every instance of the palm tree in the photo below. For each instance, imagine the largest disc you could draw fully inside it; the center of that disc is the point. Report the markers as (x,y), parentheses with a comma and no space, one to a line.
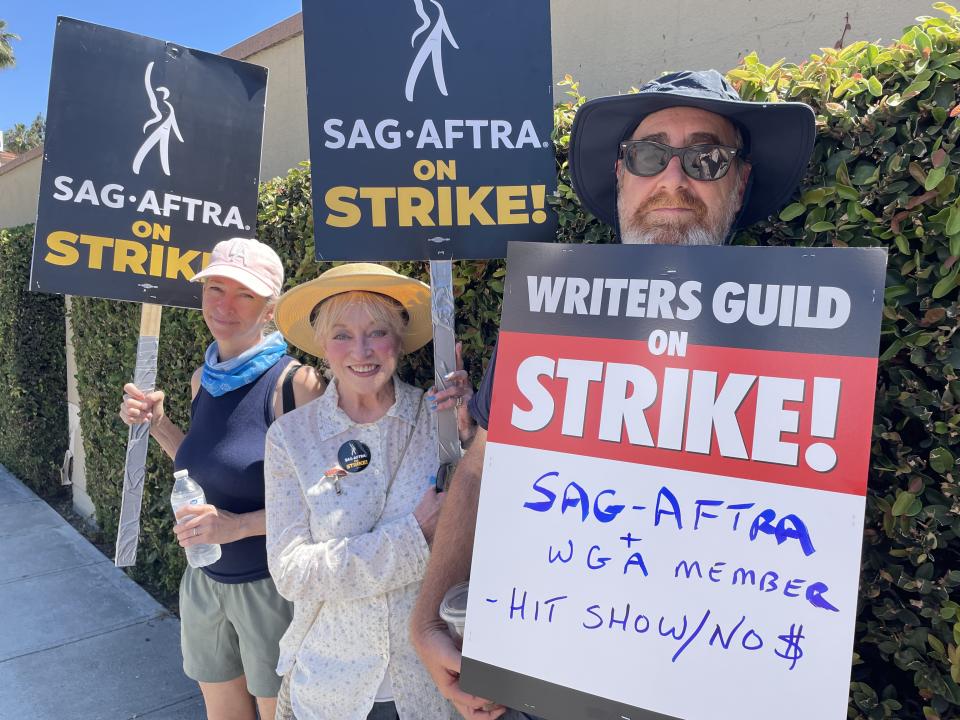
(6,49)
(15,138)
(20,138)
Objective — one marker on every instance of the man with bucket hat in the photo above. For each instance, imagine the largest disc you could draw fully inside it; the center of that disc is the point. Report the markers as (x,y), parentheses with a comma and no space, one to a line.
(684,161)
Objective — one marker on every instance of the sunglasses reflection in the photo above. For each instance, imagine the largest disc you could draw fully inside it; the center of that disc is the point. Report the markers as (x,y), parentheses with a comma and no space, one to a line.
(646,158)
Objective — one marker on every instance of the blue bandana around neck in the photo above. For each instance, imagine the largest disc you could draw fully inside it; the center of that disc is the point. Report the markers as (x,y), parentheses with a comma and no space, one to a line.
(219,378)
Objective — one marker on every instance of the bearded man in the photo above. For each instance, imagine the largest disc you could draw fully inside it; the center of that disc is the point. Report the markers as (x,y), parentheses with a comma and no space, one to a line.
(684,161)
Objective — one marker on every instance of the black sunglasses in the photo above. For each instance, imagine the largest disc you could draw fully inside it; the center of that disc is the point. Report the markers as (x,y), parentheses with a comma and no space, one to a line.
(646,158)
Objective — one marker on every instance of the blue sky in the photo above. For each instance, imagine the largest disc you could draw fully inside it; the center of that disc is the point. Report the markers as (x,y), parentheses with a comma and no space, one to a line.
(212,25)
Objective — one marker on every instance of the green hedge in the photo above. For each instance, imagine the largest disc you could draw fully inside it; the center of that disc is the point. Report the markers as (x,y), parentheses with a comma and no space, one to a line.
(884,173)
(33,370)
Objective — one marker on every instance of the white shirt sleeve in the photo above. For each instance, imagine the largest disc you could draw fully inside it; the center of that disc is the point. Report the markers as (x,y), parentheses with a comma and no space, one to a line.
(393,554)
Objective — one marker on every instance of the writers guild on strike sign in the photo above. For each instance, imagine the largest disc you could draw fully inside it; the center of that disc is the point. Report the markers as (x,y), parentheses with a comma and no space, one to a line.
(683,435)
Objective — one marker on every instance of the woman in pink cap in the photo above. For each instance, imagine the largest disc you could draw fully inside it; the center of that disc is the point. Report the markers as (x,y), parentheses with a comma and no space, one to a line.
(232,617)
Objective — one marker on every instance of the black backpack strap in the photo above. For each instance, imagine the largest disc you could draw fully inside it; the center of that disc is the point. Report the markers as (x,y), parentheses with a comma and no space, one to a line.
(289,402)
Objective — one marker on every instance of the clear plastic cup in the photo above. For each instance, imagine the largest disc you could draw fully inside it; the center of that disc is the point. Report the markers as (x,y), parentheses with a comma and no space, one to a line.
(453,610)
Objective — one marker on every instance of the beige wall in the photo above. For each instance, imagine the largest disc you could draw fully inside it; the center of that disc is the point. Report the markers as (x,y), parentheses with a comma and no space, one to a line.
(285,140)
(609,45)
(19,191)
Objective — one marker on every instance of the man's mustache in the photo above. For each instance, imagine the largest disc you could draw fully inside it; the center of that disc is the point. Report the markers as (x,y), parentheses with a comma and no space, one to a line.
(681,199)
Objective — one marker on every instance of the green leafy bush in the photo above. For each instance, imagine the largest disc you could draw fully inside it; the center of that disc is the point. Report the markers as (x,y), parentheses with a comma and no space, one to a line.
(883,173)
(33,372)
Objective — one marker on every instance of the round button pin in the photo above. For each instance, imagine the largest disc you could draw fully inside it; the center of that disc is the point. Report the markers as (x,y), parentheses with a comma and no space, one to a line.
(354,456)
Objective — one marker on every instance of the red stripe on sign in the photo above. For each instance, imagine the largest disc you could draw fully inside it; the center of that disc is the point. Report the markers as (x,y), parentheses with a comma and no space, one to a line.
(778,417)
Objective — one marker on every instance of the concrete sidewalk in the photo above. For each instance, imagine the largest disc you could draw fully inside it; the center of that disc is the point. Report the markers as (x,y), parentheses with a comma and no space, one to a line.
(79,640)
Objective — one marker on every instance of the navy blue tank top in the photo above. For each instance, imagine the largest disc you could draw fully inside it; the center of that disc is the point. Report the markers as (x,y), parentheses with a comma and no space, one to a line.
(223,450)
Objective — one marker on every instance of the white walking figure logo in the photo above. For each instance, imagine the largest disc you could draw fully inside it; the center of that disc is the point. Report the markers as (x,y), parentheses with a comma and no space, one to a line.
(431,48)
(161,134)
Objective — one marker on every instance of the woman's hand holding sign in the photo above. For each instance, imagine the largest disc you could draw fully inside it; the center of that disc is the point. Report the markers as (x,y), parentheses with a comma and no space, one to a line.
(140,407)
(457,395)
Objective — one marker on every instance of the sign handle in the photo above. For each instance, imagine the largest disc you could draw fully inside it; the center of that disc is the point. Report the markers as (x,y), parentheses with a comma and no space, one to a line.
(444,362)
(138,437)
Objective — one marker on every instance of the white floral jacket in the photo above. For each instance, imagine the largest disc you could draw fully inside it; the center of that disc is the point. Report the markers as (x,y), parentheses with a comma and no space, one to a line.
(350,555)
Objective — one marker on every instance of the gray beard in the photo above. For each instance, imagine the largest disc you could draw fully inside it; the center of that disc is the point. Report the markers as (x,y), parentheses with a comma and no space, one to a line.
(690,235)
(670,236)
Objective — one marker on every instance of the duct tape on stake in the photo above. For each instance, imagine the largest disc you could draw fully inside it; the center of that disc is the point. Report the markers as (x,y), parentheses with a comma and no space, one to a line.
(444,356)
(138,437)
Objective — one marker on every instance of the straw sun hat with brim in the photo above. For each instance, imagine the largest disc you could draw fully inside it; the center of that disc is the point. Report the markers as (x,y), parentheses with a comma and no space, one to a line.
(295,307)
(778,137)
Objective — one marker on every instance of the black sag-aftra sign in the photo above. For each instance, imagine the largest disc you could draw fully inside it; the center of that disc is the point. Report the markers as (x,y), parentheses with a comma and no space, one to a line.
(430,127)
(152,156)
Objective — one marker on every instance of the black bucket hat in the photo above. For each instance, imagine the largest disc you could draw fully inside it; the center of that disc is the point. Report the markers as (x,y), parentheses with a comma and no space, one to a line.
(778,139)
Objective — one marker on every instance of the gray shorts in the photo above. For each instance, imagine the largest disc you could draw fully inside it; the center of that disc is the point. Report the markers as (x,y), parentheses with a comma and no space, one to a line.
(231,630)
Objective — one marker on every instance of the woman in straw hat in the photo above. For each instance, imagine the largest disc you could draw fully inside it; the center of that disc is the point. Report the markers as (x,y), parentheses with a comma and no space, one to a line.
(232,617)
(350,508)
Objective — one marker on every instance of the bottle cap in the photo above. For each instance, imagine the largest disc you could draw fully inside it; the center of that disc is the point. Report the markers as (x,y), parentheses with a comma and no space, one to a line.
(180,473)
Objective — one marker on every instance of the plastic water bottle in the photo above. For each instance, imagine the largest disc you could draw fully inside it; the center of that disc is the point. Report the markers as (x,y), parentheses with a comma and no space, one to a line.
(187,492)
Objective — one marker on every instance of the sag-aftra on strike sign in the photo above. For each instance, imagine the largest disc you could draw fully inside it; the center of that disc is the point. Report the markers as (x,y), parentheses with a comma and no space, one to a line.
(671,512)
(430,125)
(152,156)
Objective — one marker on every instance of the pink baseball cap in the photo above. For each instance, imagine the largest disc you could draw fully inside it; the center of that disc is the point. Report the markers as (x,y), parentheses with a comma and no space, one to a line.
(249,262)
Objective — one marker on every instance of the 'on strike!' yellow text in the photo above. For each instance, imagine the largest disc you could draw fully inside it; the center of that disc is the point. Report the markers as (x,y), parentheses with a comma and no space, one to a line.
(442,206)
(94,252)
